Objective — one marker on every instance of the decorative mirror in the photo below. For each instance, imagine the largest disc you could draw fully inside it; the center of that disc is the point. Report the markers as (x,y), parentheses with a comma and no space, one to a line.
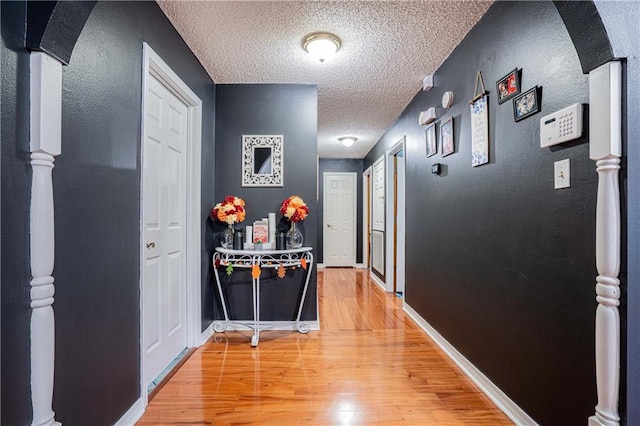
(262,160)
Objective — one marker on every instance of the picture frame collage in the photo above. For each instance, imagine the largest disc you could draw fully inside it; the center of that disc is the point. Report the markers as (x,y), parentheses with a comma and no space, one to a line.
(525,104)
(508,88)
(443,138)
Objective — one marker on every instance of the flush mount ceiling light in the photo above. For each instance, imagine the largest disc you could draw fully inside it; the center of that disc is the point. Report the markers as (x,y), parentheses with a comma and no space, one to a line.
(321,46)
(348,140)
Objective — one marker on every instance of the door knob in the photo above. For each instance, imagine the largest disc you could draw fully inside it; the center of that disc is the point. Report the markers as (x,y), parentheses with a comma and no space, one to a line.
(328,226)
(151,245)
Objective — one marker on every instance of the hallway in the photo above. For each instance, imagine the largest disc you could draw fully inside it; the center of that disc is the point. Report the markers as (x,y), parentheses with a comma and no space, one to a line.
(369,364)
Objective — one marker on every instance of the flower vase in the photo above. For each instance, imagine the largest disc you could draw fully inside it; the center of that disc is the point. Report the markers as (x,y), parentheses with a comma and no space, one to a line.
(226,240)
(294,237)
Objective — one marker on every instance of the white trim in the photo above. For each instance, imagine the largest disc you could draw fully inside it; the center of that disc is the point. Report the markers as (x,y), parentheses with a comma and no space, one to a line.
(605,148)
(206,334)
(377,280)
(366,213)
(354,214)
(504,403)
(45,121)
(154,65)
(388,212)
(133,414)
(357,266)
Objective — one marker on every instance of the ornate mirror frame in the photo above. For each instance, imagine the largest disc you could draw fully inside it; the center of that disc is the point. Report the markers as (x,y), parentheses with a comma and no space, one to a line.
(274,176)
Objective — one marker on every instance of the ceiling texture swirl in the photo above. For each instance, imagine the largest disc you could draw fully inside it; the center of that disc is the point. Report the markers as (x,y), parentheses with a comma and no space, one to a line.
(388,47)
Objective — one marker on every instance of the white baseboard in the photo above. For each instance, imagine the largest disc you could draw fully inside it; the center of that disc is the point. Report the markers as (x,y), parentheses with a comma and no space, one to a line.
(357,266)
(271,325)
(378,281)
(504,403)
(133,414)
(137,409)
(206,334)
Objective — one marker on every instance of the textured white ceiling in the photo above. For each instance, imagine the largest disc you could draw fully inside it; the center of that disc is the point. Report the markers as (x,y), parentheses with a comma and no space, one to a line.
(387,49)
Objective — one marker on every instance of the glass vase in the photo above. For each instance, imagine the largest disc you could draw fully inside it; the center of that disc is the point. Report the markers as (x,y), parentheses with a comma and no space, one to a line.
(294,237)
(226,239)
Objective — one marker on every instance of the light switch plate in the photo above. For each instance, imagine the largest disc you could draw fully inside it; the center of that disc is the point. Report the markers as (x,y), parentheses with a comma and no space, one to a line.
(562,174)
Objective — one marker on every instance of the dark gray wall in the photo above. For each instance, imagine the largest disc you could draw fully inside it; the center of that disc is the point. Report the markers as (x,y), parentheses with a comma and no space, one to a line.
(97,181)
(270,109)
(621,22)
(500,263)
(16,184)
(340,165)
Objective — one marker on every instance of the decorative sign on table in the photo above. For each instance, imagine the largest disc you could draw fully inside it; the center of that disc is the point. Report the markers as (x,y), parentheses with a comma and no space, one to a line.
(260,232)
(479,124)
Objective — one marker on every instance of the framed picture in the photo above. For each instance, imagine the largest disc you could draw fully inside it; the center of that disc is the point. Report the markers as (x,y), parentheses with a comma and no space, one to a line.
(446,136)
(508,86)
(262,160)
(432,145)
(526,104)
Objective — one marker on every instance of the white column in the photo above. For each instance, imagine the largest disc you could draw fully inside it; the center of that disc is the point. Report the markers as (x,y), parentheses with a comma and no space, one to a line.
(605,93)
(45,143)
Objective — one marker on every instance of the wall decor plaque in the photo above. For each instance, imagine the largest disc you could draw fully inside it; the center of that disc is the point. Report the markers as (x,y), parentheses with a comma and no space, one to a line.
(479,106)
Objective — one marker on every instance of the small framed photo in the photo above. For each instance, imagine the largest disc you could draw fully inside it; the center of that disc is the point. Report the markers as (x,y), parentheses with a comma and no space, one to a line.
(446,136)
(508,86)
(526,104)
(432,145)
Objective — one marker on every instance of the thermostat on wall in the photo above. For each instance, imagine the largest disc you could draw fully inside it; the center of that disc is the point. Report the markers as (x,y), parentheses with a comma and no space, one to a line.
(561,126)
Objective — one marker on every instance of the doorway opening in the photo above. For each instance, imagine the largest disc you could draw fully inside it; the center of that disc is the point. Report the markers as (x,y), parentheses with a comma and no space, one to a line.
(395,209)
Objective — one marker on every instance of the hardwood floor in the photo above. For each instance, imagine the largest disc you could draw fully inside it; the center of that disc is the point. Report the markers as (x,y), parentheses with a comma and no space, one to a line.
(368,365)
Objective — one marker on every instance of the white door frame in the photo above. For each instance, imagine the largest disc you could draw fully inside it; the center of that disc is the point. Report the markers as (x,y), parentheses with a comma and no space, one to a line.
(354,176)
(401,221)
(389,217)
(366,217)
(154,65)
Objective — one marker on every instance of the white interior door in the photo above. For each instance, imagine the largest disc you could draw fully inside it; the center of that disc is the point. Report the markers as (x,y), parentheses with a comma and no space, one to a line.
(339,219)
(377,204)
(377,218)
(164,204)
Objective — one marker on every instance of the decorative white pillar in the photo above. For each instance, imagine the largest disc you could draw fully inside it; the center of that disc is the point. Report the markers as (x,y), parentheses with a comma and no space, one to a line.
(45,143)
(605,102)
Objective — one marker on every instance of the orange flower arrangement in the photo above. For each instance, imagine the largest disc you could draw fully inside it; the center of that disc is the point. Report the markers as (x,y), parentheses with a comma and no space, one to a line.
(294,209)
(230,210)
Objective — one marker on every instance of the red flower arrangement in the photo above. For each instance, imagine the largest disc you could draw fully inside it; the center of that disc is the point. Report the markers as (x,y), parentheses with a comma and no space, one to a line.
(230,210)
(294,209)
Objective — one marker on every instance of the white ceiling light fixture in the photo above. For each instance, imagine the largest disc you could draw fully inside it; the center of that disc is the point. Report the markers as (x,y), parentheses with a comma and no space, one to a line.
(321,46)
(348,140)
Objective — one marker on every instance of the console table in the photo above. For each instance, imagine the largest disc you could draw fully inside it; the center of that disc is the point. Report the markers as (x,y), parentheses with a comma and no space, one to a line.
(262,259)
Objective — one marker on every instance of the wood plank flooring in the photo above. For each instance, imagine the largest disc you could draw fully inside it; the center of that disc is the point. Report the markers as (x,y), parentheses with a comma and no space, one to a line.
(368,365)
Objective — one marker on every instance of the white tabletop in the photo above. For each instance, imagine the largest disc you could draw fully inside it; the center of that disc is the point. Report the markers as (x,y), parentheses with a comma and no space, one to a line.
(269,252)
